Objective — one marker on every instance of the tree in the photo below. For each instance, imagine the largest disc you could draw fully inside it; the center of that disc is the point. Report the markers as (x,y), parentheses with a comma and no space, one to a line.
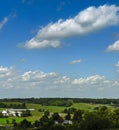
(23,105)
(115,118)
(68,116)
(14,122)
(94,121)
(44,120)
(57,117)
(36,123)
(1,115)
(46,113)
(7,121)
(26,113)
(25,124)
(78,116)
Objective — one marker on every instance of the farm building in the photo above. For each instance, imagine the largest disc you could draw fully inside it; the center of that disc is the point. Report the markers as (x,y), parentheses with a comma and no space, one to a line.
(14,112)
(11,112)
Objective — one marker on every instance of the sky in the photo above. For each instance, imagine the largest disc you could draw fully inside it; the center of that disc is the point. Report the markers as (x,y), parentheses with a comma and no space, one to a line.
(59,48)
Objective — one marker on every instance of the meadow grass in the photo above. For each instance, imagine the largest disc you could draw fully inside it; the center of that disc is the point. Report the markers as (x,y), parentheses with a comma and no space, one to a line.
(36,115)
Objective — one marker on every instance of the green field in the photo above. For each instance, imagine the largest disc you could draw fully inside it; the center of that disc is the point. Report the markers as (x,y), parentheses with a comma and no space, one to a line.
(36,115)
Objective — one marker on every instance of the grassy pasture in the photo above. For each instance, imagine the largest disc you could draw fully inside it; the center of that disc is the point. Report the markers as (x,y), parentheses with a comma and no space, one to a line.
(36,115)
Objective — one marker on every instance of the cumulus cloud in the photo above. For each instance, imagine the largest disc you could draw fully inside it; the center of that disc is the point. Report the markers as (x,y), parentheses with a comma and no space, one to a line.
(75,61)
(84,22)
(95,80)
(3,22)
(113,47)
(6,72)
(39,76)
(35,43)
(39,81)
(9,75)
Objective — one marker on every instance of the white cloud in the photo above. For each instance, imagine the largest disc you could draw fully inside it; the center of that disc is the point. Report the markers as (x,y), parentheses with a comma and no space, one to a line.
(75,61)
(6,72)
(95,80)
(3,22)
(9,75)
(38,76)
(113,47)
(87,21)
(50,83)
(6,19)
(37,43)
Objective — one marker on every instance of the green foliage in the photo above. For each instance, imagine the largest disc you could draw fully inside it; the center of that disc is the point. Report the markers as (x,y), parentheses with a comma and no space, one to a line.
(26,113)
(57,117)
(85,116)
(69,110)
(46,101)
(52,102)
(25,124)
(115,117)
(68,116)
(46,113)
(13,105)
(1,115)
(94,121)
(77,117)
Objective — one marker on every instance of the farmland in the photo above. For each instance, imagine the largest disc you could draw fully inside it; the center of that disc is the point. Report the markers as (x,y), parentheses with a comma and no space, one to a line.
(39,110)
(36,115)
(58,106)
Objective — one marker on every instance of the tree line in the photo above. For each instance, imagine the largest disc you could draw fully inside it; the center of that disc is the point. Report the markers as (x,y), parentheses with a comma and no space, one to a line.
(13,105)
(62,101)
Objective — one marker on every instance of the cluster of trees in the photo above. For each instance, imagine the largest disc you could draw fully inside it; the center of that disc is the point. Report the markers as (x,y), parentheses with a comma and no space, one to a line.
(15,106)
(102,118)
(61,101)
(70,110)
(97,101)
(43,101)
(57,102)
(52,101)
(26,113)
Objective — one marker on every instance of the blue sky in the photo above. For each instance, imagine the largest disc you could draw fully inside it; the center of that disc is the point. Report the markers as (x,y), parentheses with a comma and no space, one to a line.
(59,48)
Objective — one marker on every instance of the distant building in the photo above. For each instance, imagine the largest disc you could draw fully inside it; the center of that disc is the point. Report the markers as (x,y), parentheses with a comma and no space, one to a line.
(67,122)
(11,112)
(14,112)
(5,113)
